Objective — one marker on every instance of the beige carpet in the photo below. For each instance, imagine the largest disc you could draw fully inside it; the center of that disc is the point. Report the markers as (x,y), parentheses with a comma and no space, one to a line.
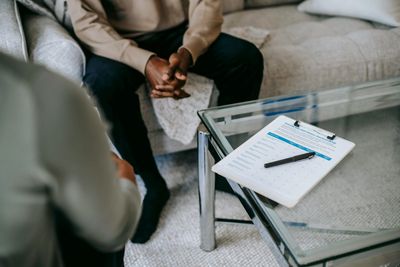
(176,242)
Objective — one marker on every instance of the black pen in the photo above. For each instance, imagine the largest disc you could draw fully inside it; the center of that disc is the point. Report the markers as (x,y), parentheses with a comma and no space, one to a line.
(289,160)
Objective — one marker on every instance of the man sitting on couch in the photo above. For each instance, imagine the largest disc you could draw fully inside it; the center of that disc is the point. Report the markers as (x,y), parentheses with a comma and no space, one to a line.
(133,40)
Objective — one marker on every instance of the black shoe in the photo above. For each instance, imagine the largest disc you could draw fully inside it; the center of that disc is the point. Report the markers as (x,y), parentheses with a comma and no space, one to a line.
(153,204)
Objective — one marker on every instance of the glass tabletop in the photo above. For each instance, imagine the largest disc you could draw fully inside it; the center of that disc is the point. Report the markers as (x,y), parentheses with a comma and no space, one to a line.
(356,207)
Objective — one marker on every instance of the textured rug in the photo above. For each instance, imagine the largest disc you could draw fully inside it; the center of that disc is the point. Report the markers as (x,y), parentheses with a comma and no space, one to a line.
(177,239)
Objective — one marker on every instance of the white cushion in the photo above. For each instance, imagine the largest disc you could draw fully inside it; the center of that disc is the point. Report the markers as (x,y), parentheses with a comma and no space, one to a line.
(382,11)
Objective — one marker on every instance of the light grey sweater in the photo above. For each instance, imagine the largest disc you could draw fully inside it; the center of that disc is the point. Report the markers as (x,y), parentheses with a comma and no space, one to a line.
(54,154)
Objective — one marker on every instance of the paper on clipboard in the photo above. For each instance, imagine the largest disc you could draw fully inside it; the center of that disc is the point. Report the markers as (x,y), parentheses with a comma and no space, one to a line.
(287,183)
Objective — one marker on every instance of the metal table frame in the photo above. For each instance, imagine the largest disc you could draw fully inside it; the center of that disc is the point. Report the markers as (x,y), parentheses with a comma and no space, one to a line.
(207,200)
(208,153)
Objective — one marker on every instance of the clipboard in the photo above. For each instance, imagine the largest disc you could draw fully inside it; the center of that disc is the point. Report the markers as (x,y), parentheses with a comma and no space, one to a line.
(284,137)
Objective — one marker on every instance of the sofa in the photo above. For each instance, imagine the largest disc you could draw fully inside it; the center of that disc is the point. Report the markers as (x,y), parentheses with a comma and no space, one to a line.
(303,52)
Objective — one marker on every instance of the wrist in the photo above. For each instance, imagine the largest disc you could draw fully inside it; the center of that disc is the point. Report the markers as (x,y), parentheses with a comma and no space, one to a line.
(186,53)
(149,63)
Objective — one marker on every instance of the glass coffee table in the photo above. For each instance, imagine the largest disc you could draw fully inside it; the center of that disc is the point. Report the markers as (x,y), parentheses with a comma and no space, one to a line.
(352,217)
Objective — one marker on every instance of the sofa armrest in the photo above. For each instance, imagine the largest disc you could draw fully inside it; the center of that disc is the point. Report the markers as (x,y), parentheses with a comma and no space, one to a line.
(49,44)
(12,39)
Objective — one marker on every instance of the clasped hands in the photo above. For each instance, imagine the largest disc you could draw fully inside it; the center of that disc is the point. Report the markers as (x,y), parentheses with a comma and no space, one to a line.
(167,78)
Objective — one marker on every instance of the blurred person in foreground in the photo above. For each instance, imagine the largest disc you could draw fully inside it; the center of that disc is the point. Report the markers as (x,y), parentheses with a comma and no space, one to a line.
(130,41)
(65,200)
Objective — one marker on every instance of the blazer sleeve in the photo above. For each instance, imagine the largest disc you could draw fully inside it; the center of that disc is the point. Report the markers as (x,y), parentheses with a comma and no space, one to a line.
(205,21)
(91,26)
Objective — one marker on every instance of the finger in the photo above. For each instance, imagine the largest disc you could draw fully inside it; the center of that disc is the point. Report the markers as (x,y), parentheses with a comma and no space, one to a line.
(180,75)
(174,62)
(164,87)
(114,156)
(176,84)
(181,72)
(181,93)
(116,160)
(171,86)
(118,163)
(158,93)
(160,96)
(179,84)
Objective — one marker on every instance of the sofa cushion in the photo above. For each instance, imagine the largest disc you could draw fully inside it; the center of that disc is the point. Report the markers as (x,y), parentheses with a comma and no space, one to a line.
(383,11)
(12,39)
(269,18)
(309,53)
(49,44)
(265,3)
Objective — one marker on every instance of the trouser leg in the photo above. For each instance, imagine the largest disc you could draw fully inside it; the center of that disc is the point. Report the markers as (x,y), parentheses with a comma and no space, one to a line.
(235,65)
(114,84)
(76,252)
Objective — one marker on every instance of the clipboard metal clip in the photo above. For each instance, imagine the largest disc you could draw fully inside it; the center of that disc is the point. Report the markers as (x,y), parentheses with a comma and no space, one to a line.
(330,137)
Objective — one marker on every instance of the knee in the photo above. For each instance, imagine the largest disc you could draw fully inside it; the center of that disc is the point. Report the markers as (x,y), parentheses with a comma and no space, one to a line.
(252,57)
(112,83)
(100,85)
(245,55)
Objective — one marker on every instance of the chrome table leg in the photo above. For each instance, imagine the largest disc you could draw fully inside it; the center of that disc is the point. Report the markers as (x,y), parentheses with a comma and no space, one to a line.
(206,193)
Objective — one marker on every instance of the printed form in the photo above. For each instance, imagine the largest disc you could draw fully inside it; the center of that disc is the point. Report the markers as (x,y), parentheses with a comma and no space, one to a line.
(286,183)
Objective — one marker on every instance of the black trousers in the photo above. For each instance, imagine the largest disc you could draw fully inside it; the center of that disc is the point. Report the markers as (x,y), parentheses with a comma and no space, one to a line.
(235,65)
(77,252)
